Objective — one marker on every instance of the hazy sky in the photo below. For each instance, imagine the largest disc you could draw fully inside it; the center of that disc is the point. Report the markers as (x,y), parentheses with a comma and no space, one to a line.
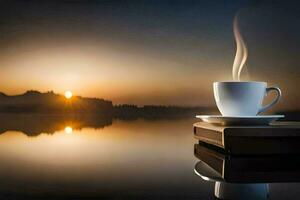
(146,52)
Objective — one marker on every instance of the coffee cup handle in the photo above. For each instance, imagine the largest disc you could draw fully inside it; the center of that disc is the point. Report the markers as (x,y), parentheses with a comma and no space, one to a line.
(269,89)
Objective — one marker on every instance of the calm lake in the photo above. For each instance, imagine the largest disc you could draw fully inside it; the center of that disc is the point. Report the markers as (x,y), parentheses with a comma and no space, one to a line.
(89,157)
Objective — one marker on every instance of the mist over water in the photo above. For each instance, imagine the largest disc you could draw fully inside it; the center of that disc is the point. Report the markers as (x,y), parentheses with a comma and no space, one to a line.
(241,51)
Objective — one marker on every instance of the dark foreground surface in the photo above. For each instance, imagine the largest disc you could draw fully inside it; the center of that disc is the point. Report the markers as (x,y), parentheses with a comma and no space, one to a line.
(84,158)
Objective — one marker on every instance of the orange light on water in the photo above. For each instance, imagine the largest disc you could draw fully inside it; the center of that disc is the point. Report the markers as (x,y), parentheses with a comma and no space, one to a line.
(68,130)
(68,94)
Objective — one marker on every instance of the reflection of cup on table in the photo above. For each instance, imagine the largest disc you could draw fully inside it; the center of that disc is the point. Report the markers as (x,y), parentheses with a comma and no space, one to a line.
(243,98)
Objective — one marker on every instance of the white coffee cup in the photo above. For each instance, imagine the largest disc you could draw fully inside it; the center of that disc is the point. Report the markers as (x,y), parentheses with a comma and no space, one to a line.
(243,98)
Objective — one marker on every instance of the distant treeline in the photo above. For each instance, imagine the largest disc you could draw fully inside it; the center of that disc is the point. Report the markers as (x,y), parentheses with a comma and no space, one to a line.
(150,111)
(49,102)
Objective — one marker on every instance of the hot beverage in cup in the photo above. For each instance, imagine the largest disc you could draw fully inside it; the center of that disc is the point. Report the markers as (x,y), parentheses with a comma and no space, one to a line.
(243,98)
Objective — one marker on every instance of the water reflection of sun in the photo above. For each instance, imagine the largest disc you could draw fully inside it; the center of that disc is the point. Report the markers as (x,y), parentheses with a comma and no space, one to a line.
(68,130)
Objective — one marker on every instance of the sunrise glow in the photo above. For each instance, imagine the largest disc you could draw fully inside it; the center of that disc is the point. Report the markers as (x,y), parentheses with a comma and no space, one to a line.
(68,94)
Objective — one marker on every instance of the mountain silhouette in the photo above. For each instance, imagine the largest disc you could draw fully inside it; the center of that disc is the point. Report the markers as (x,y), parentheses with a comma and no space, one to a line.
(49,102)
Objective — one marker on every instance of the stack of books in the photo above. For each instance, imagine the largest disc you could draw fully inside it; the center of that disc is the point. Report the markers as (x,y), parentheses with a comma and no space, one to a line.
(277,138)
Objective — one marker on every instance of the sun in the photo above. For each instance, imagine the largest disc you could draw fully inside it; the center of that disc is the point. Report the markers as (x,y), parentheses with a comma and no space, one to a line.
(68,94)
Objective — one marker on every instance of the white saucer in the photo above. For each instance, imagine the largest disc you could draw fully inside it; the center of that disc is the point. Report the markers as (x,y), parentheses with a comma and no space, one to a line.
(240,120)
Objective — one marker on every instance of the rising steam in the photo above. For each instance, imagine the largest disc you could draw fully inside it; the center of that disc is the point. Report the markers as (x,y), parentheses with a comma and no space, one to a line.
(241,51)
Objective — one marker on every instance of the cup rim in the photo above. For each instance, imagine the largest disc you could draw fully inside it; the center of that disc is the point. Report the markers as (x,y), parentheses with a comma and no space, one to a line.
(261,82)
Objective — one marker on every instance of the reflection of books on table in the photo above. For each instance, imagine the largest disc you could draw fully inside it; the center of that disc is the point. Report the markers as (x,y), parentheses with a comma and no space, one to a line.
(246,169)
(278,138)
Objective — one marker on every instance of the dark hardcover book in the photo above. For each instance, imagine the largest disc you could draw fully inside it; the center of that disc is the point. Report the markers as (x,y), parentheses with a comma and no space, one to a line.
(250,169)
(278,138)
